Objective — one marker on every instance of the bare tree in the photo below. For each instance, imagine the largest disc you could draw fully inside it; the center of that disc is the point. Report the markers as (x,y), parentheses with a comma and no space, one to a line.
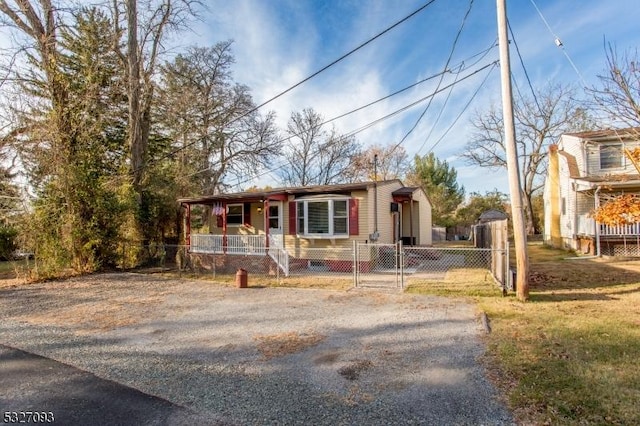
(393,163)
(618,96)
(539,121)
(315,156)
(212,121)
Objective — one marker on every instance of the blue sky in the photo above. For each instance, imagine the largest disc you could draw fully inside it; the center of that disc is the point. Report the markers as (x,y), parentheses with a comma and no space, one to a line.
(279,42)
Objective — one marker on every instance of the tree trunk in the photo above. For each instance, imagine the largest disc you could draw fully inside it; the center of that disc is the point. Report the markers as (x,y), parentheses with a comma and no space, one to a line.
(136,140)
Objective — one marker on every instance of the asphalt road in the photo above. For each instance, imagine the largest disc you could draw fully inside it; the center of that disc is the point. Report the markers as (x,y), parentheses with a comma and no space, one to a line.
(38,390)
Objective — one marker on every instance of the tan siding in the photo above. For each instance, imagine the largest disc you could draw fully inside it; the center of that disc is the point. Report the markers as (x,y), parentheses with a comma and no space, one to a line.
(385,218)
(423,210)
(256,228)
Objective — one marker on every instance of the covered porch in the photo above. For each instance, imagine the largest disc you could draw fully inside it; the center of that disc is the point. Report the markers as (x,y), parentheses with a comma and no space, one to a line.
(242,224)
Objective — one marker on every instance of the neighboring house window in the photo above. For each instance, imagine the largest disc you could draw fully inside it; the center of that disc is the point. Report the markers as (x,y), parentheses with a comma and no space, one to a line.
(323,217)
(235,214)
(611,156)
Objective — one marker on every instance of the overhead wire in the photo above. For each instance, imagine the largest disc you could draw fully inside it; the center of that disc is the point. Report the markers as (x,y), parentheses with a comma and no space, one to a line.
(349,53)
(316,73)
(386,116)
(466,106)
(495,43)
(482,54)
(451,52)
(559,43)
(533,92)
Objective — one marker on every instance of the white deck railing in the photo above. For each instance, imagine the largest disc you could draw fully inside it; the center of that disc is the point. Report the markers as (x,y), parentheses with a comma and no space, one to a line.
(236,244)
(242,245)
(632,230)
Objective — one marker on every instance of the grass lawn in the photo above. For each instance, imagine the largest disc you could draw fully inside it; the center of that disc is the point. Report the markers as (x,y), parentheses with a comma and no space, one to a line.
(9,268)
(570,355)
(259,280)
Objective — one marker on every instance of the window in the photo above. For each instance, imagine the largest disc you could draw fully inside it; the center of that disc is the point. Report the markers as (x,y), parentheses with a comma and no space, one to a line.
(323,218)
(611,156)
(235,214)
(274,217)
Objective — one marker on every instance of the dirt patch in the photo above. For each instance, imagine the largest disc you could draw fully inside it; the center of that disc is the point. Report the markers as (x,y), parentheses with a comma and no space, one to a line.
(353,370)
(275,345)
(101,315)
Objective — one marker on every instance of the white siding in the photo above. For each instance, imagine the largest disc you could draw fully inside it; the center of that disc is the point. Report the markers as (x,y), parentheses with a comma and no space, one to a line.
(573,146)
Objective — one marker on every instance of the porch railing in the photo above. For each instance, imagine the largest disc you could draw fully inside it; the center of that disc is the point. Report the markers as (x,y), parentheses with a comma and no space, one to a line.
(632,230)
(241,245)
(236,244)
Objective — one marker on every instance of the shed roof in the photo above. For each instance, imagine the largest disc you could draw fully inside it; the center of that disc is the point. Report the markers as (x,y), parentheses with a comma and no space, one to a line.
(491,215)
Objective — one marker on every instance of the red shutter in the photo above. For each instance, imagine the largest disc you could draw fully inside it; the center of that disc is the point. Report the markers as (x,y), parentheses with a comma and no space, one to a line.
(292,217)
(353,217)
(247,214)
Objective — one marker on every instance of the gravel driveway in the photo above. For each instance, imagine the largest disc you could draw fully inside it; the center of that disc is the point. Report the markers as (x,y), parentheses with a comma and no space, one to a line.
(264,355)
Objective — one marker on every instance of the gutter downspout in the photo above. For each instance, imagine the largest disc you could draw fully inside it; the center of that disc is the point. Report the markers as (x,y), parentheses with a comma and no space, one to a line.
(375,199)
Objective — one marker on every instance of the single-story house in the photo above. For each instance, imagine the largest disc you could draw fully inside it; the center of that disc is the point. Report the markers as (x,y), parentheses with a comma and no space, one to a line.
(585,170)
(287,226)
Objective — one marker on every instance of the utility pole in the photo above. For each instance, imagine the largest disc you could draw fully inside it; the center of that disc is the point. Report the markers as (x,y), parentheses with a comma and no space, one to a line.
(517,212)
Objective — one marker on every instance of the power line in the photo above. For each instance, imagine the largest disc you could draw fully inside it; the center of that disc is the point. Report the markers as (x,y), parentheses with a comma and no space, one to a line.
(461,67)
(380,34)
(495,43)
(526,74)
(370,40)
(453,48)
(559,43)
(464,108)
(383,118)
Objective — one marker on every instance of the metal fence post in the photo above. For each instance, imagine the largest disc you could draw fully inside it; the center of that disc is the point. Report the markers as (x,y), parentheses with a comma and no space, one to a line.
(507,274)
(355,263)
(401,256)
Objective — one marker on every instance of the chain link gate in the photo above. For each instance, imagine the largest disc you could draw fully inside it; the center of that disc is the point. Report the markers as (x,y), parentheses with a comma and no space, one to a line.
(391,266)
(379,265)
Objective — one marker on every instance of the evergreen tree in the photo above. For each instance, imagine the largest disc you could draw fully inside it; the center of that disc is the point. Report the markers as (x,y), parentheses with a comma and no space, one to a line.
(439,181)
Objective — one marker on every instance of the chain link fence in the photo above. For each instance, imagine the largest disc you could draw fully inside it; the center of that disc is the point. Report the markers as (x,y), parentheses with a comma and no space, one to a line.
(362,265)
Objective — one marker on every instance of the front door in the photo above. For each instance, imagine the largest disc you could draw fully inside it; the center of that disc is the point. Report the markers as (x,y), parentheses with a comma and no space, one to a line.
(275,224)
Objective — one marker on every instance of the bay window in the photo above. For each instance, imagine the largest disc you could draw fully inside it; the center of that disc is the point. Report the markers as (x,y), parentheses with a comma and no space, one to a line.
(322,217)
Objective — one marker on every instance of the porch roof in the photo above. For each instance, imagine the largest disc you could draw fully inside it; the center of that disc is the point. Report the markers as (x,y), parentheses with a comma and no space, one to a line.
(609,182)
(404,194)
(282,193)
(608,134)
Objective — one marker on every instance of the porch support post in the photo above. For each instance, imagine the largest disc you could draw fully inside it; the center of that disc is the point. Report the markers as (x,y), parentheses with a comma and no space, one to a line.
(187,226)
(410,220)
(266,223)
(224,227)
